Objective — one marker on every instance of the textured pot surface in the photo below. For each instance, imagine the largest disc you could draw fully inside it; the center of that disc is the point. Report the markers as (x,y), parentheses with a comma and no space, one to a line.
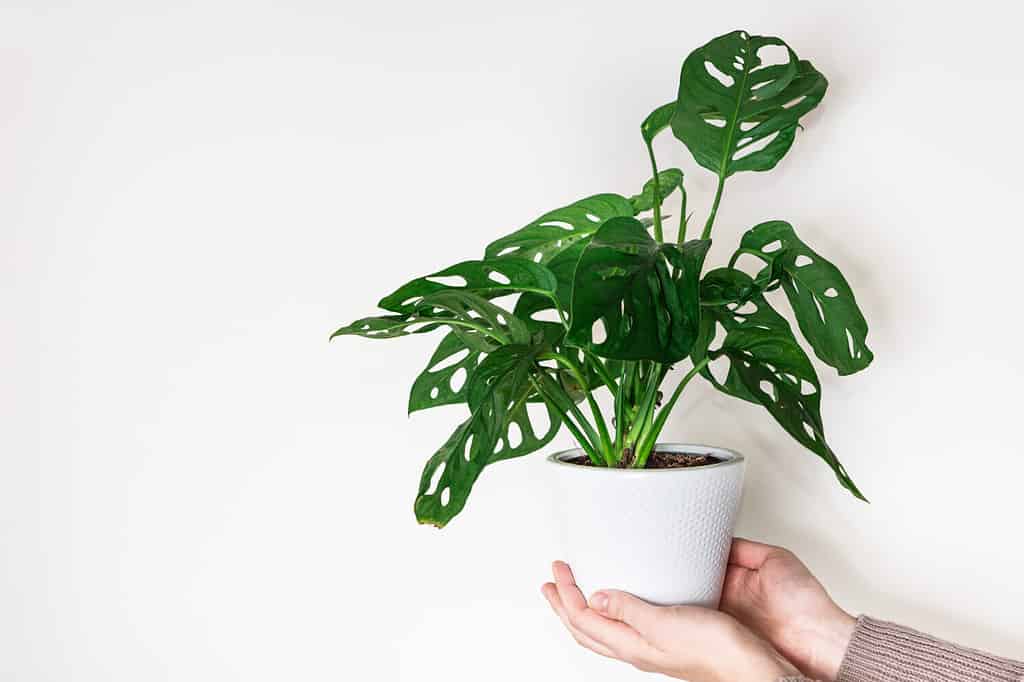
(662,534)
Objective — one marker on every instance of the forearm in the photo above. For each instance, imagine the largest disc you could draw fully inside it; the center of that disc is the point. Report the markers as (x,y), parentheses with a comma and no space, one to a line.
(885,652)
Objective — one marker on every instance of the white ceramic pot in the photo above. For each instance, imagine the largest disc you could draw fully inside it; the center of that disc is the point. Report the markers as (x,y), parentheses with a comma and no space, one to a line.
(662,534)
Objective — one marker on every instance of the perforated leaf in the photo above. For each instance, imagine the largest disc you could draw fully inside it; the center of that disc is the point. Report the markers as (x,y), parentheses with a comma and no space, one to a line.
(627,303)
(479,323)
(486,278)
(499,427)
(736,113)
(669,180)
(444,380)
(766,364)
(822,300)
(553,232)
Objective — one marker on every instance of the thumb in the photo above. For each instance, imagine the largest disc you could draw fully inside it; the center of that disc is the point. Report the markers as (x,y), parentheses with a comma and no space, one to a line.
(623,606)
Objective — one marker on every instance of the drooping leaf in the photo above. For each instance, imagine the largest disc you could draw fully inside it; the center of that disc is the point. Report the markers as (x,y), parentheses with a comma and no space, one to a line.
(478,322)
(499,427)
(822,300)
(486,278)
(767,366)
(626,302)
(668,181)
(553,232)
(736,113)
(434,386)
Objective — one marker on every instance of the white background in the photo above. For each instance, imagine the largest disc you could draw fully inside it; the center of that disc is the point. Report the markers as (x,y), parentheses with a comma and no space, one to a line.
(195,485)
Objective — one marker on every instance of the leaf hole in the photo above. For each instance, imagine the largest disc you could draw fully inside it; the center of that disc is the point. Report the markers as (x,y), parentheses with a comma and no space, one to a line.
(772,247)
(802,261)
(748,308)
(448,280)
(770,55)
(598,331)
(768,388)
(809,430)
(716,122)
(850,343)
(446,496)
(501,320)
(458,379)
(723,78)
(434,392)
(546,315)
(507,250)
(540,418)
(468,452)
(831,292)
(593,218)
(807,388)
(754,147)
(793,102)
(559,224)
(719,368)
(514,436)
(453,359)
(537,257)
(747,125)
(498,277)
(435,478)
(719,338)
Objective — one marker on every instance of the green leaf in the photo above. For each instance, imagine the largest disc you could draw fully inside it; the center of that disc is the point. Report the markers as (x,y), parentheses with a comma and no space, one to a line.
(486,278)
(767,366)
(822,300)
(668,181)
(433,387)
(624,285)
(735,114)
(479,323)
(656,121)
(553,232)
(499,427)
(563,267)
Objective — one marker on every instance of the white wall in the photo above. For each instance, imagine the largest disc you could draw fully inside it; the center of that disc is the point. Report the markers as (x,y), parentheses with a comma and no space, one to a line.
(195,485)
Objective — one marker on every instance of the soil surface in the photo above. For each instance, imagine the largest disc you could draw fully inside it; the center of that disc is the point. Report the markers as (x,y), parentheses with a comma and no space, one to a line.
(661,460)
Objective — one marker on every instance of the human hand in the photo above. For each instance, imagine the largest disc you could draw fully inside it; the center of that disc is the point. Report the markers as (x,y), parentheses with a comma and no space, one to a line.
(769,590)
(687,642)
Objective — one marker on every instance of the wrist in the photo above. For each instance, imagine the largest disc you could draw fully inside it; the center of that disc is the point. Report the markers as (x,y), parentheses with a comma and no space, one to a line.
(830,642)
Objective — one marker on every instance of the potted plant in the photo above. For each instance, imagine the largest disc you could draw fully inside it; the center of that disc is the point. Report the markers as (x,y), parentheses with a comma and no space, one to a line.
(594,297)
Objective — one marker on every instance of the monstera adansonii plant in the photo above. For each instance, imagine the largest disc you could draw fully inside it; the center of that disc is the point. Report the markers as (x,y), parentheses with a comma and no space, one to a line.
(592,297)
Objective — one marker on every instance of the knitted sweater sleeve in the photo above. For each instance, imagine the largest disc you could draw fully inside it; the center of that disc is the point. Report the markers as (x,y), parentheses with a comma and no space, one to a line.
(886,652)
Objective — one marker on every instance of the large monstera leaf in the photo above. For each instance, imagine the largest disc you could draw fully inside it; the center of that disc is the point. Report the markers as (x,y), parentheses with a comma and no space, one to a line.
(736,113)
(478,322)
(486,278)
(636,299)
(822,300)
(499,427)
(553,232)
(443,382)
(767,366)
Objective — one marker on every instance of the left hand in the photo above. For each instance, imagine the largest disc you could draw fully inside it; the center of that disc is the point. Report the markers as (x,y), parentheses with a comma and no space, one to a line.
(686,642)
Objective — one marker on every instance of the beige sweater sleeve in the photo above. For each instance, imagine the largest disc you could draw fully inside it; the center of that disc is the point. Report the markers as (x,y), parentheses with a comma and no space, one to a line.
(886,652)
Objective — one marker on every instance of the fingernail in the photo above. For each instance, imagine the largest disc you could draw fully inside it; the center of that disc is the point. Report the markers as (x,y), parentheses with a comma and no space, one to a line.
(599,601)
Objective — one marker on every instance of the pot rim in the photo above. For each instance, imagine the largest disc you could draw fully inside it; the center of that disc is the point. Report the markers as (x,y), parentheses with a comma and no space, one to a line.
(732,458)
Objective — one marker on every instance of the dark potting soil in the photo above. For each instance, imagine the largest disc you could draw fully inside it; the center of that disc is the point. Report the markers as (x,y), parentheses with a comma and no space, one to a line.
(661,460)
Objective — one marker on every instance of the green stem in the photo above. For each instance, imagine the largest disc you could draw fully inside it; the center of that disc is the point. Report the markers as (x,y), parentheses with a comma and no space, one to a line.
(601,370)
(683,219)
(657,195)
(714,208)
(577,433)
(650,437)
(620,411)
(602,427)
(643,416)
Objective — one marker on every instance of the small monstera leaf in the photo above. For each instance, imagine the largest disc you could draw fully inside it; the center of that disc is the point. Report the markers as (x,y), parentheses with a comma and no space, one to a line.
(499,427)
(553,232)
(735,114)
(626,302)
(479,323)
(668,181)
(822,300)
(767,366)
(656,121)
(486,278)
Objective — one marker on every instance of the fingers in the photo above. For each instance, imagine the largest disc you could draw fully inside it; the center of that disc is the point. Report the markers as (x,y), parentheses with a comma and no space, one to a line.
(624,607)
(620,639)
(550,593)
(750,554)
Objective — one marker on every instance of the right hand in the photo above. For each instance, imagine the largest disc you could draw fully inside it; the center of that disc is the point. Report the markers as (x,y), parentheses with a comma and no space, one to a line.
(770,591)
